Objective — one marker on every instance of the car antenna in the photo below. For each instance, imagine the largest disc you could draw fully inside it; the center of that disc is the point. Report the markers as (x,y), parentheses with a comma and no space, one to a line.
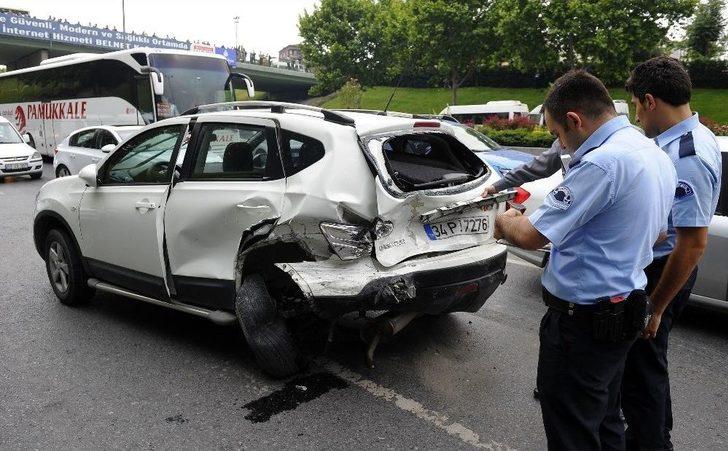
(399,80)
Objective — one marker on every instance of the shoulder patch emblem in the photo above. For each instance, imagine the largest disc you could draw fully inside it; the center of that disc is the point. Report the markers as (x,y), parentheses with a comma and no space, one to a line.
(561,197)
(683,190)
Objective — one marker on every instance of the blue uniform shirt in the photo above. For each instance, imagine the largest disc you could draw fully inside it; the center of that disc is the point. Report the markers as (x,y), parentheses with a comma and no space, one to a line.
(694,151)
(606,215)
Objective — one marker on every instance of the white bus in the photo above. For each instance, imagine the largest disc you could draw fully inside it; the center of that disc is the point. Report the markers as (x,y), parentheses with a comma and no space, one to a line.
(129,87)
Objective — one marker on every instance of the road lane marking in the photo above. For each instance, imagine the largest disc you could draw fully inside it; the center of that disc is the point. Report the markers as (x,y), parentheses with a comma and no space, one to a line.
(437,419)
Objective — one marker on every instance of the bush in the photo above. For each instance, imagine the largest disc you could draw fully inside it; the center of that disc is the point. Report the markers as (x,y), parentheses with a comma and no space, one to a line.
(521,137)
(496,123)
(350,94)
(708,73)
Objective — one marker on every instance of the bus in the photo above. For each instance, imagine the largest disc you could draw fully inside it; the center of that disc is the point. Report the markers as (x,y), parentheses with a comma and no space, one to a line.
(127,87)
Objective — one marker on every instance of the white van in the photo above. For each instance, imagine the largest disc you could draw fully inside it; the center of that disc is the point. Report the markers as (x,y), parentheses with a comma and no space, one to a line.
(536,115)
(476,114)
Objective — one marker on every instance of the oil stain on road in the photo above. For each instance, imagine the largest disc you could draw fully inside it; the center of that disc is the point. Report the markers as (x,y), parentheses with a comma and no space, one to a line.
(294,393)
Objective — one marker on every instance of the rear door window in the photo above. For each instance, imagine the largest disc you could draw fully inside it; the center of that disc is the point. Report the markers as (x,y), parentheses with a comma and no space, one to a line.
(236,152)
(104,137)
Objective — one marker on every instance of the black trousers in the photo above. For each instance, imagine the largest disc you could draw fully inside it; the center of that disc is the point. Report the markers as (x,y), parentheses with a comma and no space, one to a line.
(646,399)
(579,381)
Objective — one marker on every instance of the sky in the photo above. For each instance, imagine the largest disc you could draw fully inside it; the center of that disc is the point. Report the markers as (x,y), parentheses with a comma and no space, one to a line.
(265,26)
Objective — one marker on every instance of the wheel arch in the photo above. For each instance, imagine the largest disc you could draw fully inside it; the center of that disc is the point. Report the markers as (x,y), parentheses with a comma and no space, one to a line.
(43,223)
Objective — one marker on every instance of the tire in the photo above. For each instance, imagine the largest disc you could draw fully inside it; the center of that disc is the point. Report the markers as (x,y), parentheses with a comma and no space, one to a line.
(62,171)
(266,332)
(36,176)
(60,253)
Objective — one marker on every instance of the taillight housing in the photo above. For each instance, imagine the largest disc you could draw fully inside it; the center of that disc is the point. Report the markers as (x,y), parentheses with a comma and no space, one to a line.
(349,242)
(521,195)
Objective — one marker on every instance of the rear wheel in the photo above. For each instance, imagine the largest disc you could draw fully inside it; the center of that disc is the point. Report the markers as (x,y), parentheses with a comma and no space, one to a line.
(62,171)
(65,271)
(264,329)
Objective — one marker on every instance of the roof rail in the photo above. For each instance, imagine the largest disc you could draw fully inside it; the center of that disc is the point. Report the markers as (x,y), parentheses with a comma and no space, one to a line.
(275,107)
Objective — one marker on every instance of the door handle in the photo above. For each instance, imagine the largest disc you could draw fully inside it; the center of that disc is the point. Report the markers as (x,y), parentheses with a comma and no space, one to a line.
(253,207)
(145,205)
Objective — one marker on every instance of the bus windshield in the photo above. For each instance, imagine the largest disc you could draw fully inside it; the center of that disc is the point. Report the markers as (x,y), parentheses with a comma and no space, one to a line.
(8,135)
(189,81)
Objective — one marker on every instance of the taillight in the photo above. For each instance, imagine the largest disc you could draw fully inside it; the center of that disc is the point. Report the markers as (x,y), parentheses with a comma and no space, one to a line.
(521,195)
(429,124)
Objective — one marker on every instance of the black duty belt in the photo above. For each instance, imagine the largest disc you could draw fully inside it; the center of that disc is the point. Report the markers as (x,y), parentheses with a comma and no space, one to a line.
(574,310)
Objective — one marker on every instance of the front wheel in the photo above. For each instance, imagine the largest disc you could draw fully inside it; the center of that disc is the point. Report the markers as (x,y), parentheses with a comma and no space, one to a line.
(62,171)
(36,176)
(264,329)
(64,268)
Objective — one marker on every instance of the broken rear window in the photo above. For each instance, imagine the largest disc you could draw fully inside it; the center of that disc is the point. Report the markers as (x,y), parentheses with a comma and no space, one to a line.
(430,160)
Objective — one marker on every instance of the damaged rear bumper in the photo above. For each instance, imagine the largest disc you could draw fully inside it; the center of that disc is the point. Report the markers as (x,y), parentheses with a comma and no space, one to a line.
(454,282)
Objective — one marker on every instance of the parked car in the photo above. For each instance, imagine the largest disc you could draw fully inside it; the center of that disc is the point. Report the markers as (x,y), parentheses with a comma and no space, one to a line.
(711,286)
(16,156)
(476,114)
(257,212)
(88,145)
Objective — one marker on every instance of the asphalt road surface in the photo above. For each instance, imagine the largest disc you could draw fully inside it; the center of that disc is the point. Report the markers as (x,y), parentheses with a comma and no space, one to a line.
(122,374)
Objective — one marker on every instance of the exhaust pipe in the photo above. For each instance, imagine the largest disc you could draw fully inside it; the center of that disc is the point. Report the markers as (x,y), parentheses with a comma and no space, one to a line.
(384,328)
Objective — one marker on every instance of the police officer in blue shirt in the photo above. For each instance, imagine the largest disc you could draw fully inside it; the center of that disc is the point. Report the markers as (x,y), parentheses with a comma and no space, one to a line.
(602,222)
(661,91)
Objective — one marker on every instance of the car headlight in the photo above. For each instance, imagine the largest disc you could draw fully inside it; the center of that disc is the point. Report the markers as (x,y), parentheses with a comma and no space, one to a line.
(348,241)
(36,156)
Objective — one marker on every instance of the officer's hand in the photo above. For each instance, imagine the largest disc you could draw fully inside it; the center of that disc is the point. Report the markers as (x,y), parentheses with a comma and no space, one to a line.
(490,189)
(650,330)
(512,213)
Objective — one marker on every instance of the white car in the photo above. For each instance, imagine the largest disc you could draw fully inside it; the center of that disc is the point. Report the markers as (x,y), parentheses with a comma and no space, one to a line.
(16,156)
(711,286)
(260,211)
(88,146)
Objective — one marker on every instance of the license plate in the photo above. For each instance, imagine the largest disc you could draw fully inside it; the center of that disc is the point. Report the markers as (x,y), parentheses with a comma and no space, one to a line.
(442,230)
(16,166)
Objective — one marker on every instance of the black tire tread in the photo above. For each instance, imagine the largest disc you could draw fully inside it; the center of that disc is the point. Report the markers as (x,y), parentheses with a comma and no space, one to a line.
(265,331)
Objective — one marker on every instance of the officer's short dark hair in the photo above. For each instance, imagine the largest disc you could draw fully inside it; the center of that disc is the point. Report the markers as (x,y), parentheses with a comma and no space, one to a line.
(664,78)
(579,91)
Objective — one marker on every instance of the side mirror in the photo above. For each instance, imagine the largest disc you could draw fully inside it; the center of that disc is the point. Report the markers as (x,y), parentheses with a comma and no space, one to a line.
(157,79)
(26,138)
(108,148)
(234,81)
(88,174)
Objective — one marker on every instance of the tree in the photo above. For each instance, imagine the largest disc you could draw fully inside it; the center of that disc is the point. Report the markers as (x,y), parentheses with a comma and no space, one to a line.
(359,39)
(705,33)
(452,37)
(523,35)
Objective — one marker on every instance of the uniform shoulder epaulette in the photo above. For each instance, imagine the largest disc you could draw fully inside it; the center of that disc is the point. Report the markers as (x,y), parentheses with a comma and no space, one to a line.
(687,145)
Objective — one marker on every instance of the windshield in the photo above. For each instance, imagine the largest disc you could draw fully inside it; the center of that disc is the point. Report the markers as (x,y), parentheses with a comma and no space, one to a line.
(474,140)
(8,135)
(189,81)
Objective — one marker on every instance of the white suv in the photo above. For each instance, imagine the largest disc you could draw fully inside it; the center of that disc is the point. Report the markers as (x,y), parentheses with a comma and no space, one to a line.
(260,211)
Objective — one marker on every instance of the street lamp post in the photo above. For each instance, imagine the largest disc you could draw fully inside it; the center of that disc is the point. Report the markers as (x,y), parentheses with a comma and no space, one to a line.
(123,23)
(236,19)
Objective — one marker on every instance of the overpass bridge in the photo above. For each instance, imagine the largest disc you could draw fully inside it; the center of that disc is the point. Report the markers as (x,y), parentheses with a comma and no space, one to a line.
(26,41)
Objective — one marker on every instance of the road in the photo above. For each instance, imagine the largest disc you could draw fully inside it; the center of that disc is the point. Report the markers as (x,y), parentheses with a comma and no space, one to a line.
(121,374)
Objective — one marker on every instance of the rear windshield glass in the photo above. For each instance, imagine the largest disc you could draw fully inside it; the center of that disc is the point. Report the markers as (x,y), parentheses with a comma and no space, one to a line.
(430,160)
